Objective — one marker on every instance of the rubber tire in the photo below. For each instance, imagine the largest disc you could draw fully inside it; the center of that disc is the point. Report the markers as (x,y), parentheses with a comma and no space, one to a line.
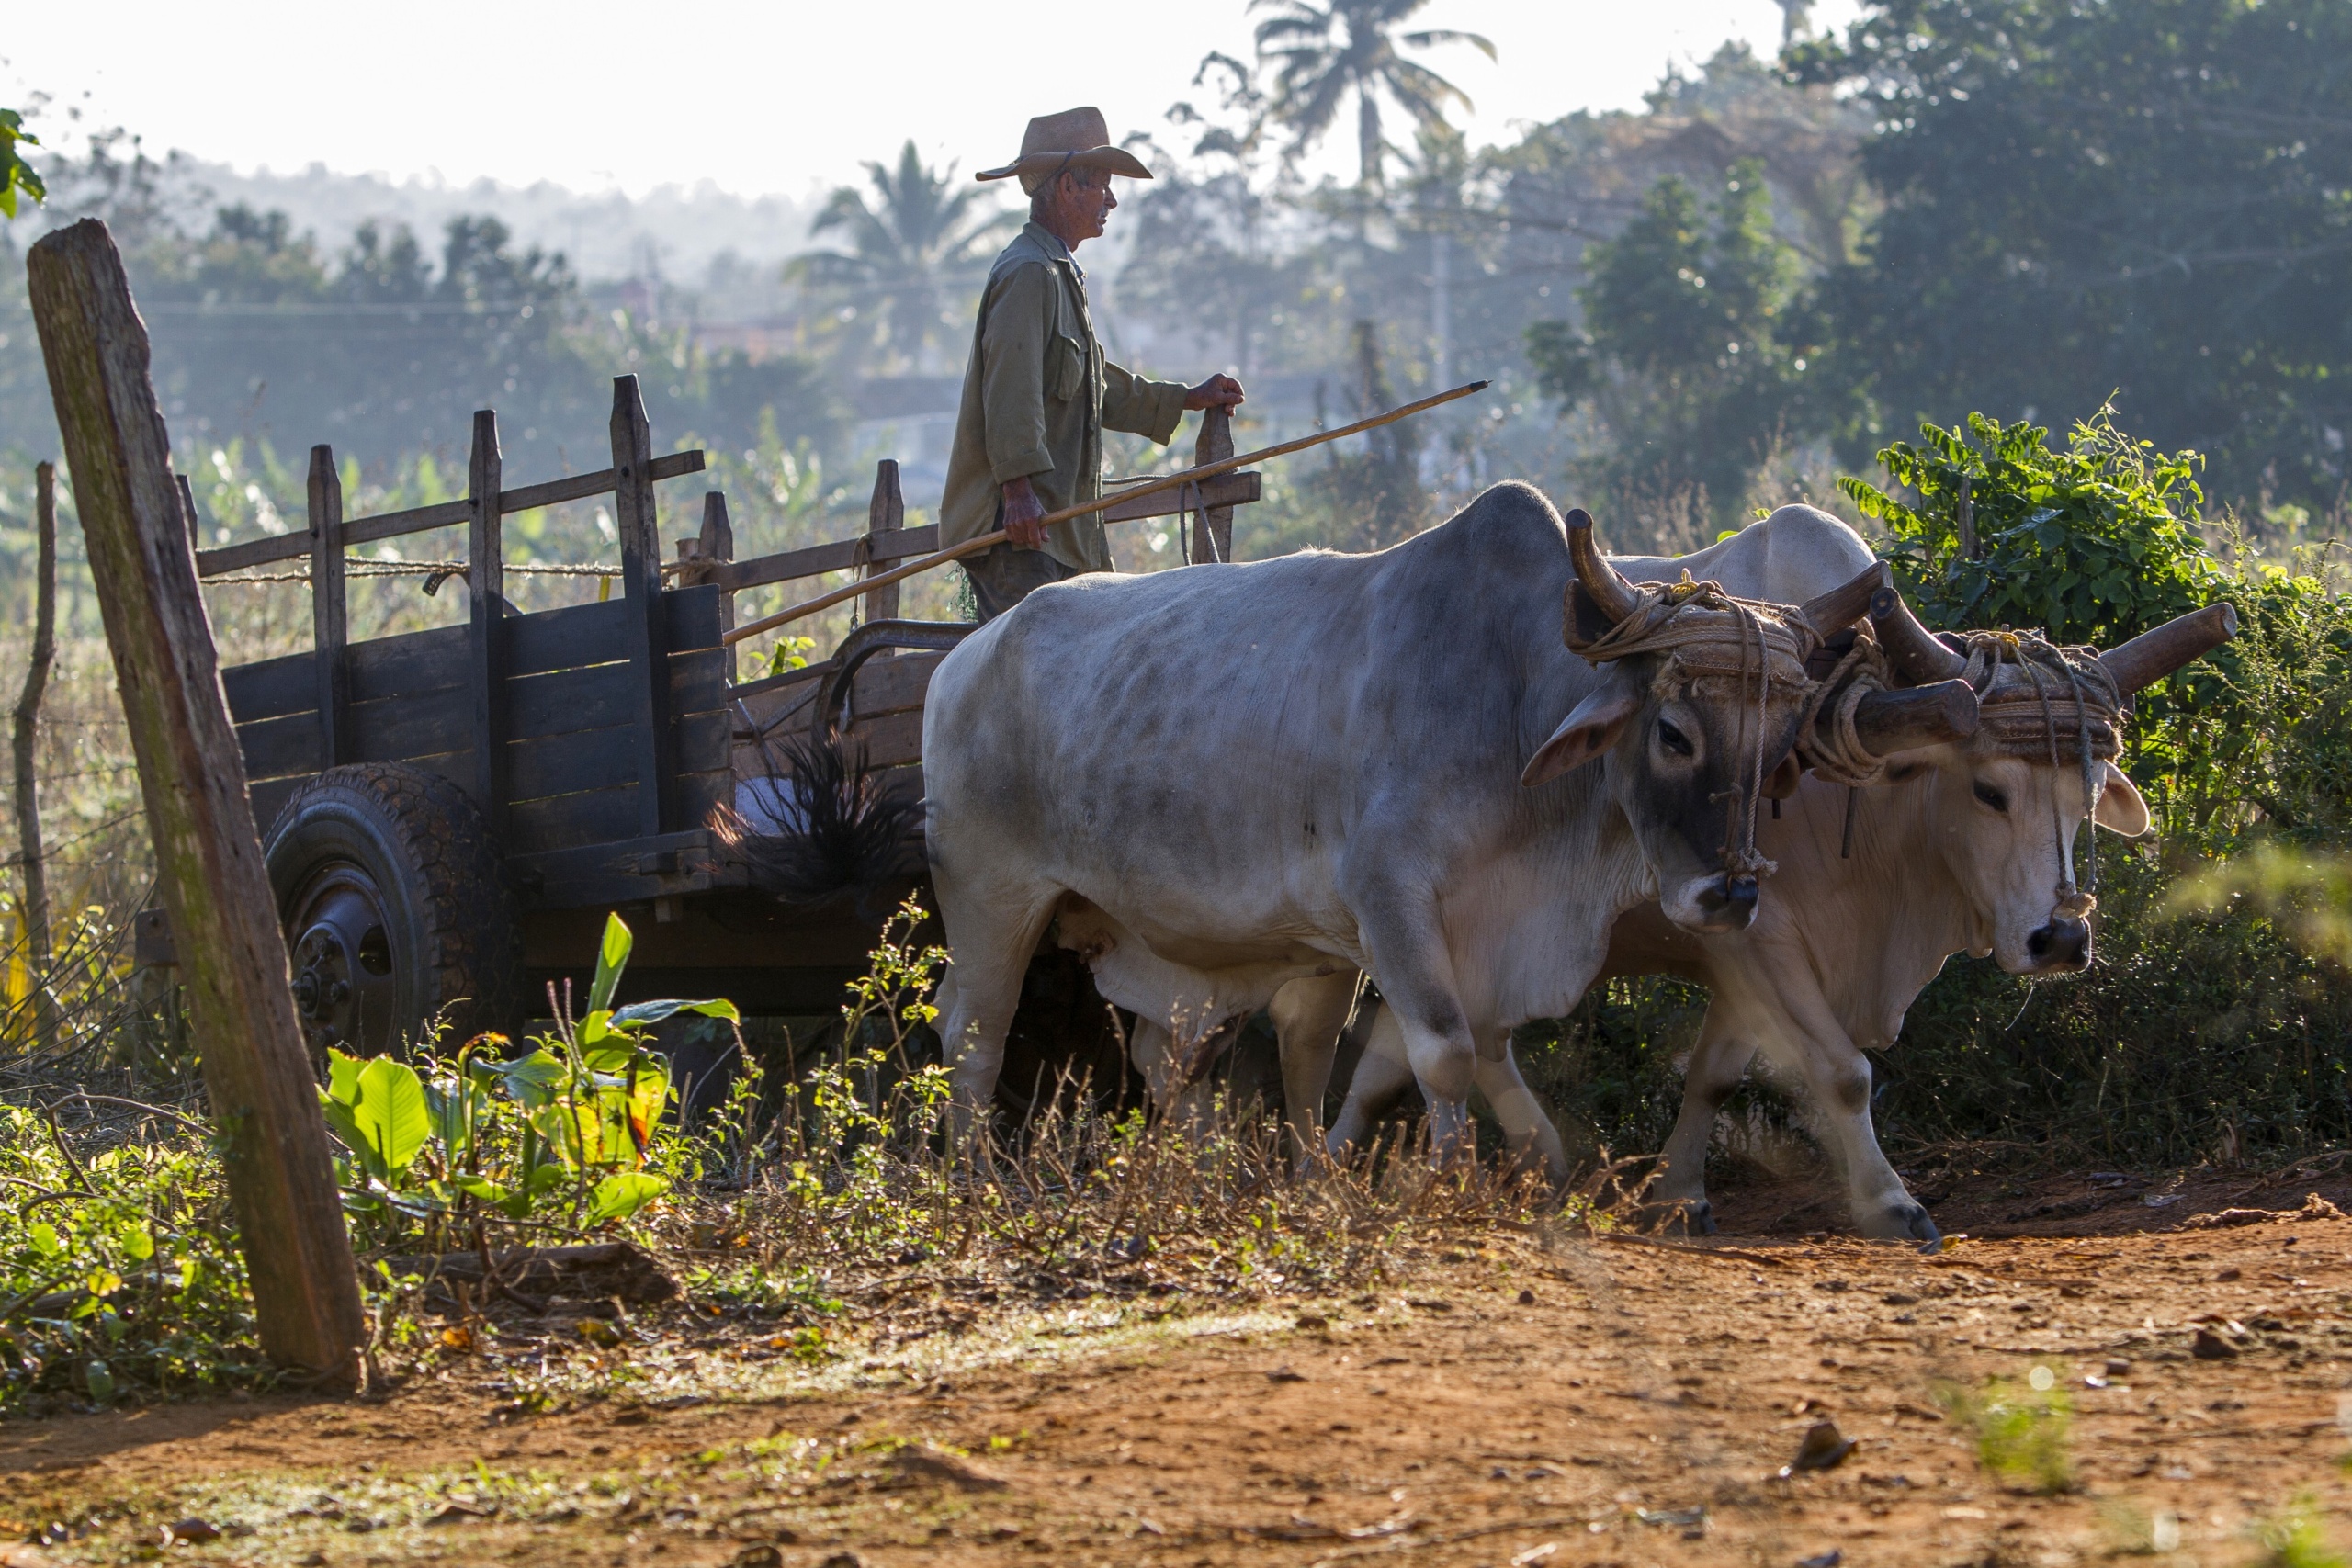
(451,919)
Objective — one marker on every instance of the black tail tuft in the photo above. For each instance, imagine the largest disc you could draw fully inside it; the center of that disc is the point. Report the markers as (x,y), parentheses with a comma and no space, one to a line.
(823,826)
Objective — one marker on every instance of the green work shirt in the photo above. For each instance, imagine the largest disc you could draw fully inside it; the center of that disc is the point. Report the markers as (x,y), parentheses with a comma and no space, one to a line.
(1037,396)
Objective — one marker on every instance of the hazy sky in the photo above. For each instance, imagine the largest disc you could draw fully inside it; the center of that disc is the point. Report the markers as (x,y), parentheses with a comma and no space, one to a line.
(759,98)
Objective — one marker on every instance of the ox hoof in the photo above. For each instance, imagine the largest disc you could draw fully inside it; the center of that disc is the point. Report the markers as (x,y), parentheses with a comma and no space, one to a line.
(1908,1222)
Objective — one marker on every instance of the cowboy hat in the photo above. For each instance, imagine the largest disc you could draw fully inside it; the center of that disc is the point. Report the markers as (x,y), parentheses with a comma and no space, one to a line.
(1075,139)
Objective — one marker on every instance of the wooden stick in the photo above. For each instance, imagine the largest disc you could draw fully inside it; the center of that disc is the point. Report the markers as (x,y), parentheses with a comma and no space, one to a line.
(26,741)
(257,1073)
(1165,482)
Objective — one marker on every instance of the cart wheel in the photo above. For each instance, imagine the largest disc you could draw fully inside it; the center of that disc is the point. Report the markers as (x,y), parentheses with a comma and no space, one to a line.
(395,911)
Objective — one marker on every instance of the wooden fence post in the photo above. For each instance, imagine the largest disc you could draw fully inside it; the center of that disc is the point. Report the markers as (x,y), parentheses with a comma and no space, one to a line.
(1213,526)
(330,613)
(232,960)
(486,585)
(714,545)
(886,513)
(648,628)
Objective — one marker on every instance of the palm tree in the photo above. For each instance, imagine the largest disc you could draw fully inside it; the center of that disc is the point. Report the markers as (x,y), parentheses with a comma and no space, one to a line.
(1323,52)
(914,242)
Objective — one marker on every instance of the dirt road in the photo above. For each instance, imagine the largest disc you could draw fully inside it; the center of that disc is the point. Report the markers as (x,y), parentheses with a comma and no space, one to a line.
(1514,1399)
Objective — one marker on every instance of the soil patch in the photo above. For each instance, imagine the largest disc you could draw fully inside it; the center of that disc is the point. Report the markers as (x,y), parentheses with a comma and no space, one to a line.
(1516,1399)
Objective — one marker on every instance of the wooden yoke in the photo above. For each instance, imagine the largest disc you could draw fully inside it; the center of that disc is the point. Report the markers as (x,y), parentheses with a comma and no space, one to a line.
(885,515)
(1212,525)
(258,1074)
(486,580)
(647,630)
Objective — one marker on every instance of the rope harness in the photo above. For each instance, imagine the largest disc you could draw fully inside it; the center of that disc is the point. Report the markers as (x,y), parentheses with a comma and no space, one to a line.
(1706,634)
(2023,715)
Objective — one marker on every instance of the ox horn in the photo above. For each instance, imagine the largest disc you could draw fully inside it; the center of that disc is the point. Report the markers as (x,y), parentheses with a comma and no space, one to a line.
(1905,720)
(2157,652)
(1914,650)
(1616,597)
(1831,612)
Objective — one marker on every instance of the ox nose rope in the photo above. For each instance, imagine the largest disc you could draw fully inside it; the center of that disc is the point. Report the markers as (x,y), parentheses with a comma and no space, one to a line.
(2097,705)
(1698,625)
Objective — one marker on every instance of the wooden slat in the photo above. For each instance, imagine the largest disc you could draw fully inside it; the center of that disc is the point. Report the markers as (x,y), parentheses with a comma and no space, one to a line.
(648,627)
(563,821)
(440,514)
(391,667)
(702,791)
(839,555)
(329,623)
(890,742)
(486,624)
(601,759)
(890,685)
(281,748)
(270,688)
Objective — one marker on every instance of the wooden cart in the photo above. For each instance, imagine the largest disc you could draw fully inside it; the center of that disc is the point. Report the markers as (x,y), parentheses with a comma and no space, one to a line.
(447,815)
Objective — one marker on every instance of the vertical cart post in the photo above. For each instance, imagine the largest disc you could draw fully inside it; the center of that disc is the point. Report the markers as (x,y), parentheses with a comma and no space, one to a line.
(648,629)
(330,614)
(486,580)
(885,515)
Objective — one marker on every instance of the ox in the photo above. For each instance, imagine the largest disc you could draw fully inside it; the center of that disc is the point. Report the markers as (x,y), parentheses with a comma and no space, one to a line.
(1213,782)
(1965,846)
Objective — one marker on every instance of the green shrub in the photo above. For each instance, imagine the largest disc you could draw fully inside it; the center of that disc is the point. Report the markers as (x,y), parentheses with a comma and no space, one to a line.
(2021,1430)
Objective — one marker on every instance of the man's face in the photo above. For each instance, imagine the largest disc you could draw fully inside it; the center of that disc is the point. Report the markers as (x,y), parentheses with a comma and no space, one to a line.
(1082,204)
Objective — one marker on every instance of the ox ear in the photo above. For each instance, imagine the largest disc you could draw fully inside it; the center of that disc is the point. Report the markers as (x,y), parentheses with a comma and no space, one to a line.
(1585,734)
(2120,808)
(1782,782)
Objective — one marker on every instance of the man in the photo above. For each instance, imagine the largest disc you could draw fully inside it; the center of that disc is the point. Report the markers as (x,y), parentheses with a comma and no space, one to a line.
(1038,393)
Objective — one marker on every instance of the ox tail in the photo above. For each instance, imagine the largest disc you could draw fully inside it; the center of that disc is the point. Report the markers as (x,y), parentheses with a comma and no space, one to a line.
(817,825)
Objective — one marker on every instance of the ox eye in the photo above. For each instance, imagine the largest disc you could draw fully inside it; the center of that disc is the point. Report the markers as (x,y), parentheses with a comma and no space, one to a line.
(1992,797)
(1673,739)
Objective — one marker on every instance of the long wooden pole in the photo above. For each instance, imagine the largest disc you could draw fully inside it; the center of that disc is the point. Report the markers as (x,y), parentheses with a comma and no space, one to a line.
(1128,492)
(207,858)
(26,741)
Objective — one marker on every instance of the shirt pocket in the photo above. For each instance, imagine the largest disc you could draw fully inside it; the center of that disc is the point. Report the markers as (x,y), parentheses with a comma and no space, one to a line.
(1065,368)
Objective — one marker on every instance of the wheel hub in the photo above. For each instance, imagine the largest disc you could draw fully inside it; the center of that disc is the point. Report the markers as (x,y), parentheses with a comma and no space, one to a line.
(342,964)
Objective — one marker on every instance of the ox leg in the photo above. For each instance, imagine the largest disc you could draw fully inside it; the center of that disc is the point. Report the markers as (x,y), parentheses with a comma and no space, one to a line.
(1381,1075)
(1527,1129)
(1837,1077)
(1153,1050)
(1716,1067)
(1308,1016)
(990,945)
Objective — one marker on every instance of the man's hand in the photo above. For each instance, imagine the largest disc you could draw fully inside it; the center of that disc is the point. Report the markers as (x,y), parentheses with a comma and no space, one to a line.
(1217,391)
(1022,512)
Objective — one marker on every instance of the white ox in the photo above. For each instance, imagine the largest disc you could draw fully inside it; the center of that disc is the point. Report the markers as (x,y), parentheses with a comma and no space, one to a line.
(1963,848)
(1220,780)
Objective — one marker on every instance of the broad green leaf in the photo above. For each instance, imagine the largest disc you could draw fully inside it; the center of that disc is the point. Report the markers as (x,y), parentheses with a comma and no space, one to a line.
(343,1078)
(654,1012)
(622,1194)
(390,1114)
(612,956)
(532,1081)
(44,1239)
(137,1245)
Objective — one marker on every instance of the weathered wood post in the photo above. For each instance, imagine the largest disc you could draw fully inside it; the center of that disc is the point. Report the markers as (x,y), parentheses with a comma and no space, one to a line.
(330,613)
(241,1006)
(647,633)
(1213,526)
(884,515)
(715,546)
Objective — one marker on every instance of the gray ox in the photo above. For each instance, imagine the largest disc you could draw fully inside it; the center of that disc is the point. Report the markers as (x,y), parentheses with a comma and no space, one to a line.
(1216,781)
(1964,847)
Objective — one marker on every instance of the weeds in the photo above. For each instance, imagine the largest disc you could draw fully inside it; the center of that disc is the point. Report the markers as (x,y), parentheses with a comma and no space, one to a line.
(2293,1537)
(2021,1431)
